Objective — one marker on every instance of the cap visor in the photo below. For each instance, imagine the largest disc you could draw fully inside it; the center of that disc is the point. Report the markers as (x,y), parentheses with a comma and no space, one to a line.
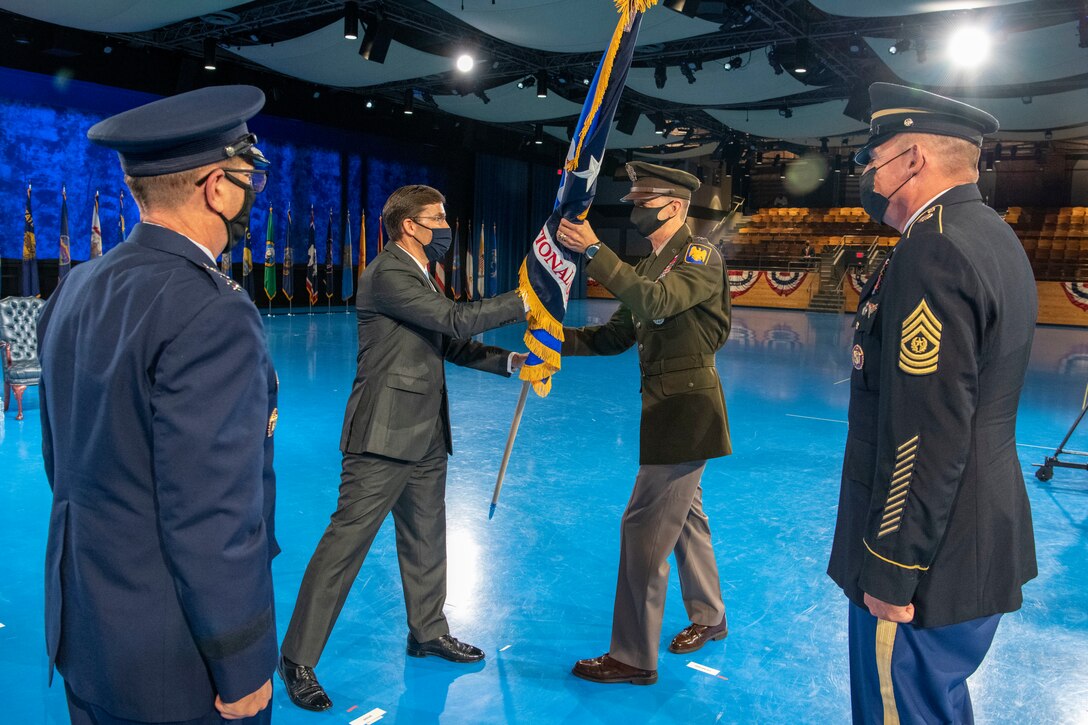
(640,196)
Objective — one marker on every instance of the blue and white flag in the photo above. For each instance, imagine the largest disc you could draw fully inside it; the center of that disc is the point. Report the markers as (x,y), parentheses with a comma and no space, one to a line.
(548,271)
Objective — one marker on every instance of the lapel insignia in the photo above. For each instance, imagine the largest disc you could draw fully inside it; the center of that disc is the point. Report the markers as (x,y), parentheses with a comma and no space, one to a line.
(857,357)
(869,309)
(272,419)
(697,254)
(920,341)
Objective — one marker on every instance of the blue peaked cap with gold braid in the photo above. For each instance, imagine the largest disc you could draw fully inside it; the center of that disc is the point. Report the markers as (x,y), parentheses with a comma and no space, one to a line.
(185,131)
(901,109)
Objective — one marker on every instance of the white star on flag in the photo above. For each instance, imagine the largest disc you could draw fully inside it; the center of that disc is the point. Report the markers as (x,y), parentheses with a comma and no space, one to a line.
(590,174)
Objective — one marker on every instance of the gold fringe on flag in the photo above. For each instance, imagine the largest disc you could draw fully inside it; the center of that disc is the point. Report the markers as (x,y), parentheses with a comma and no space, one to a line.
(627,10)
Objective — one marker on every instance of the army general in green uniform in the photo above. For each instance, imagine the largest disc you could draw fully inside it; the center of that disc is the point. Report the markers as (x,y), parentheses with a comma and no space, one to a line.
(675,309)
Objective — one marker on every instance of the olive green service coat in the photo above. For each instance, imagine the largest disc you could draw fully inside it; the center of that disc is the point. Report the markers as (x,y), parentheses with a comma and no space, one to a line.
(676,307)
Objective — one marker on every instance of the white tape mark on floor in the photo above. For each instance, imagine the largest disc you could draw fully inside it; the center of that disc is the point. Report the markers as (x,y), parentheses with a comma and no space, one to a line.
(840,382)
(809,417)
(506,648)
(703,668)
(373,716)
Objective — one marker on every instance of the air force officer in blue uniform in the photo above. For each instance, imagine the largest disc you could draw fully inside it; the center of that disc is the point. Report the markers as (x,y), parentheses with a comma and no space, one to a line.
(934,537)
(158,410)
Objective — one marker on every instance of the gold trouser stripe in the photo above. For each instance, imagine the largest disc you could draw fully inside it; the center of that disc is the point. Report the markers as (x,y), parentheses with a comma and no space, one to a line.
(885,642)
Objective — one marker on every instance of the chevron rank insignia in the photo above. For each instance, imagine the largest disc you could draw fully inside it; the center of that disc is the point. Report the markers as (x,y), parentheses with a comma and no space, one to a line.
(697,254)
(920,341)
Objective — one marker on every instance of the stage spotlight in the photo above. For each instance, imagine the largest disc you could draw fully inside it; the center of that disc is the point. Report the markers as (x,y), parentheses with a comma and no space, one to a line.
(483,97)
(997,152)
(351,20)
(733,63)
(538,138)
(968,47)
(1048,135)
(209,53)
(409,102)
(823,145)
(801,57)
(772,58)
(376,40)
(687,72)
(687,7)
(990,161)
(785,112)
(369,103)
(527,82)
(660,75)
(465,63)
(900,46)
(659,126)
(542,84)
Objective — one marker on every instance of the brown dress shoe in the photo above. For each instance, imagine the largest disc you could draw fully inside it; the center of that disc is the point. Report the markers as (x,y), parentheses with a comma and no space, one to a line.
(606,670)
(694,636)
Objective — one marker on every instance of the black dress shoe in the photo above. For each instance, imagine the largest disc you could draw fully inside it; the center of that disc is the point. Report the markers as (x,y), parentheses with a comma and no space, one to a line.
(302,686)
(447,647)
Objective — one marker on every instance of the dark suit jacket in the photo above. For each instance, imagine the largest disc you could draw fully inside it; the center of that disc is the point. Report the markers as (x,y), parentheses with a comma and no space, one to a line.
(406,330)
(933,508)
(676,306)
(157,401)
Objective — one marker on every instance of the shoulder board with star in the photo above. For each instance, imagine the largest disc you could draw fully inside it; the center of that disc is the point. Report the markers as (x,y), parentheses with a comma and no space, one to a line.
(223,279)
(932,214)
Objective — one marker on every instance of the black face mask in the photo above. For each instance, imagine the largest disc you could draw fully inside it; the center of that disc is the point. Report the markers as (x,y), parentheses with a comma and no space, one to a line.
(645,219)
(441,238)
(238,225)
(876,204)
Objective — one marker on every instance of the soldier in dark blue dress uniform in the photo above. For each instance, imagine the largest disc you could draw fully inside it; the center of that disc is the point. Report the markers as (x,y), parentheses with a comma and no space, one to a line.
(934,537)
(158,411)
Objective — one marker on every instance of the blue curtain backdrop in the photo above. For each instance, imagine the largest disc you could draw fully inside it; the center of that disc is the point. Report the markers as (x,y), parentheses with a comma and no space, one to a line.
(43,126)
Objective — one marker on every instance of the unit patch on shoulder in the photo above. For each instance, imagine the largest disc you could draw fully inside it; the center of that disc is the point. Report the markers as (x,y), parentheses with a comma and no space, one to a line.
(697,254)
(920,341)
(226,279)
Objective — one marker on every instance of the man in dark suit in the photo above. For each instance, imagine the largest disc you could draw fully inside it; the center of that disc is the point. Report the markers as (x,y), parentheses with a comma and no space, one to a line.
(934,538)
(676,308)
(158,409)
(396,439)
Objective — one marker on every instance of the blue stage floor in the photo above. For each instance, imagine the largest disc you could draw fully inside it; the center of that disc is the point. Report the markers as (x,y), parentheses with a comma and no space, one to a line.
(534,586)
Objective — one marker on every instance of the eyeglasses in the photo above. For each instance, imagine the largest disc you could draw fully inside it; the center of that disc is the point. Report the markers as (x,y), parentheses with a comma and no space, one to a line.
(258,178)
(437,218)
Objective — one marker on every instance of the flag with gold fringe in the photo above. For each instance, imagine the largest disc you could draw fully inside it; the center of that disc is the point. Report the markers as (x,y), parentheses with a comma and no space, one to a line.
(470,280)
(288,263)
(64,249)
(362,244)
(269,259)
(548,271)
(311,262)
(96,231)
(329,267)
(30,252)
(347,284)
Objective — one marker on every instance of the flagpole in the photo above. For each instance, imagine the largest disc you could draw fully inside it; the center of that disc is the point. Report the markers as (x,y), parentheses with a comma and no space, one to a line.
(514,425)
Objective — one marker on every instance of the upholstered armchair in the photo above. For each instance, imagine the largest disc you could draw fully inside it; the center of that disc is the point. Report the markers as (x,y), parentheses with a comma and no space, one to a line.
(19,346)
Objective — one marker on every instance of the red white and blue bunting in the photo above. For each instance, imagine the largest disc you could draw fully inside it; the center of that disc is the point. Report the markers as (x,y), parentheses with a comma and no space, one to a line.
(742,280)
(857,280)
(785,283)
(1077,292)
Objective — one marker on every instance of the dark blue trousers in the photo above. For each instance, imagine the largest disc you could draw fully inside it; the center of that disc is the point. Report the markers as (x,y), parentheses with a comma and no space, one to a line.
(902,674)
(84,713)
